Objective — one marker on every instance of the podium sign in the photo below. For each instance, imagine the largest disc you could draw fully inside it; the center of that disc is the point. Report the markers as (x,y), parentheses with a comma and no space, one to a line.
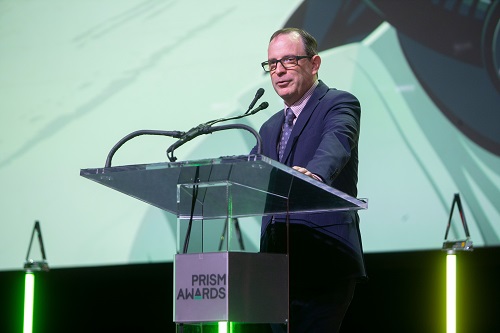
(231,286)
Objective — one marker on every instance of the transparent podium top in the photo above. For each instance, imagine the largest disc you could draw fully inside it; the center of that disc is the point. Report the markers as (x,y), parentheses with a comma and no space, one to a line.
(233,186)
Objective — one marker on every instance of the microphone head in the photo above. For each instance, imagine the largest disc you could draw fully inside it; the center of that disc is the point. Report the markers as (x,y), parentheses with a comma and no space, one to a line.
(261,107)
(259,93)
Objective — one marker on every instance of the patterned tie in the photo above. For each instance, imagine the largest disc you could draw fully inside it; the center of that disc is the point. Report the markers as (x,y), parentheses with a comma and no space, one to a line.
(287,129)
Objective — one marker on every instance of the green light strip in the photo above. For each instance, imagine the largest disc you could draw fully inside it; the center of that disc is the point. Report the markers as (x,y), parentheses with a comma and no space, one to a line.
(222,327)
(29,291)
(451,293)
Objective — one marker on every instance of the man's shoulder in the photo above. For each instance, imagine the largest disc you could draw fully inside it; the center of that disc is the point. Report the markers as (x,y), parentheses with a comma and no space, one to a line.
(334,94)
(326,98)
(323,89)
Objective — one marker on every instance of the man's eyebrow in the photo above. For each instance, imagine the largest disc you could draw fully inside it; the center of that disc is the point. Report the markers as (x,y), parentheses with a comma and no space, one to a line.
(283,57)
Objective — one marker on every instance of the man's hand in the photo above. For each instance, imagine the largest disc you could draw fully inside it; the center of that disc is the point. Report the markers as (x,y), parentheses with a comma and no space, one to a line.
(307,173)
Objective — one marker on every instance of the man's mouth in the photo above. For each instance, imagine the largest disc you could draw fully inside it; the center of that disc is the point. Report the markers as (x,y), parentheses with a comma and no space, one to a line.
(282,83)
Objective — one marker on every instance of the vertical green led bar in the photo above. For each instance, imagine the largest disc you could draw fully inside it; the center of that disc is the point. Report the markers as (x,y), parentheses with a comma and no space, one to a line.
(451,247)
(226,327)
(222,327)
(30,267)
(29,293)
(451,293)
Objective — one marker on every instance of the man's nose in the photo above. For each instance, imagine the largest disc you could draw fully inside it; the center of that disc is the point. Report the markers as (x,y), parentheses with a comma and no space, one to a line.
(280,68)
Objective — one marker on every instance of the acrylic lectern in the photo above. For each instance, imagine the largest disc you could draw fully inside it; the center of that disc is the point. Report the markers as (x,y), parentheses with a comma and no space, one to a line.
(224,285)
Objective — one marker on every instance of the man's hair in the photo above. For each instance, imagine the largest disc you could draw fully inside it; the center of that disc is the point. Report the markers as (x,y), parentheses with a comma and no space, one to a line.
(310,43)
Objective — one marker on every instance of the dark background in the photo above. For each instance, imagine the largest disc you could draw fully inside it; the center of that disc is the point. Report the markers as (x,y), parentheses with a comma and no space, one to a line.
(406,293)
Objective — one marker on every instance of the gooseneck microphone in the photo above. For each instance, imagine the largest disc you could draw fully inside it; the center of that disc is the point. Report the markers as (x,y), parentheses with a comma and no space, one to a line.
(261,107)
(258,95)
(206,128)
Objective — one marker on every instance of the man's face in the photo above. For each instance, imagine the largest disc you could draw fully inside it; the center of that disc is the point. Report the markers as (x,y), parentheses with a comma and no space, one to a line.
(291,84)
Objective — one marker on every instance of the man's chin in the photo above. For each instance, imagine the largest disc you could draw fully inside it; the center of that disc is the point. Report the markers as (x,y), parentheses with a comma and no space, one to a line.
(283,92)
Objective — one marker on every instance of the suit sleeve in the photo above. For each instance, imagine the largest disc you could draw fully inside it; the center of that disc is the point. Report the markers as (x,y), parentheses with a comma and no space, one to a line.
(339,138)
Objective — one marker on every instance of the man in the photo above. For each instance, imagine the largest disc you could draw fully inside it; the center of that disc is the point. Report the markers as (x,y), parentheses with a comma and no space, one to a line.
(325,250)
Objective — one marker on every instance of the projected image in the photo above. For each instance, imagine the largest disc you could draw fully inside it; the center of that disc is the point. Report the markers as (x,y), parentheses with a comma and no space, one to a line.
(79,79)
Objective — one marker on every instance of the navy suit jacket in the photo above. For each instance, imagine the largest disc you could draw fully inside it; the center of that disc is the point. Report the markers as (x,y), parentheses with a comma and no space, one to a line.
(324,140)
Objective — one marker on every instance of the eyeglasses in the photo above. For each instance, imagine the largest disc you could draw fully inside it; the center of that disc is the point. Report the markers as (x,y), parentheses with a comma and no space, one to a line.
(287,62)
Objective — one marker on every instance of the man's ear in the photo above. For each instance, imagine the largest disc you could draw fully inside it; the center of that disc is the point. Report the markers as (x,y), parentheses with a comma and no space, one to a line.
(316,63)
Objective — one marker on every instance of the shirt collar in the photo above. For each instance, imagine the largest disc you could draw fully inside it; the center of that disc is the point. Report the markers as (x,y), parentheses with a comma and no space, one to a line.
(298,106)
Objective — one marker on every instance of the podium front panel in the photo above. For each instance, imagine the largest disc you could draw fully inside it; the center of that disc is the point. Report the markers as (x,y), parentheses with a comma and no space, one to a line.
(231,286)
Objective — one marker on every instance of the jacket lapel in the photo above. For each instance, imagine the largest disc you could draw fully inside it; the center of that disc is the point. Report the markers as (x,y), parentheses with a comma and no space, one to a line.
(303,119)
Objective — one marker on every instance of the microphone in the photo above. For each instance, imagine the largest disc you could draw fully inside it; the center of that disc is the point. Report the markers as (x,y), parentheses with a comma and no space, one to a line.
(258,95)
(207,128)
(261,107)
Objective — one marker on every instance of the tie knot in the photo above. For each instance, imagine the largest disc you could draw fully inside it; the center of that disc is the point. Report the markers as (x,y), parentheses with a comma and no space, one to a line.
(289,117)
